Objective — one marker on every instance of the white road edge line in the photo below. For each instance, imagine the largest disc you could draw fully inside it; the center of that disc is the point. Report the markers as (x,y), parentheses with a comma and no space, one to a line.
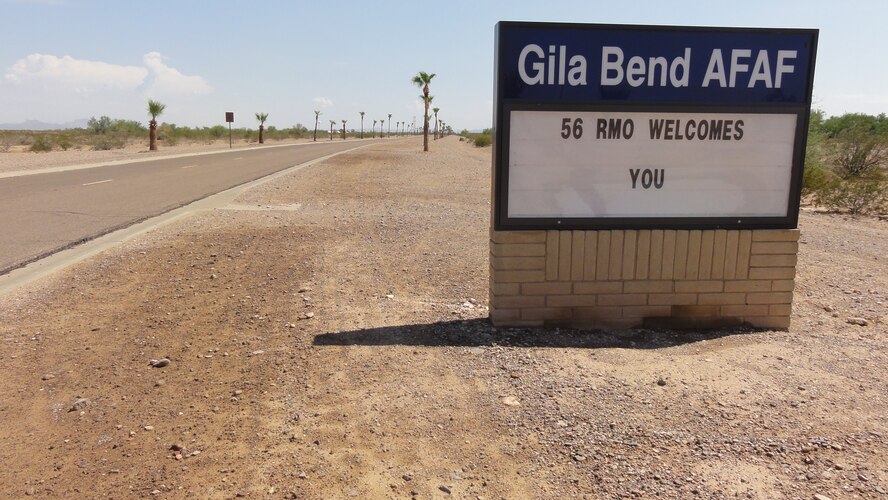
(66,258)
(189,166)
(97,182)
(238,158)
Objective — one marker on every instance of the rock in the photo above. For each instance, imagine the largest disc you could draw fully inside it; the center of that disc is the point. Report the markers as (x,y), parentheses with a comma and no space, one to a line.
(818,496)
(407,477)
(79,404)
(256,353)
(48,376)
(304,289)
(389,296)
(511,401)
(159,382)
(858,321)
(148,427)
(445,489)
(579,458)
(159,363)
(309,315)
(661,381)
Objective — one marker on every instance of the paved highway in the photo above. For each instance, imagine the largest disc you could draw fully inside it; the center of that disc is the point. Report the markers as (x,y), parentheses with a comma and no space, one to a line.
(48,212)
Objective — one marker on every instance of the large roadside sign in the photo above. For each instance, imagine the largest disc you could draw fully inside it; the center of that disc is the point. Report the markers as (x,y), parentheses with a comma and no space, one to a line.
(606,127)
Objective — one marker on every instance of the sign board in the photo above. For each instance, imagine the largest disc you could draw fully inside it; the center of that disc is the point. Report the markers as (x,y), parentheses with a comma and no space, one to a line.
(229,116)
(604,127)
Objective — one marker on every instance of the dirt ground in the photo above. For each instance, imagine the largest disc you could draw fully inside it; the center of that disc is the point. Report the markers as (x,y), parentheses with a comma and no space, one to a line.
(327,338)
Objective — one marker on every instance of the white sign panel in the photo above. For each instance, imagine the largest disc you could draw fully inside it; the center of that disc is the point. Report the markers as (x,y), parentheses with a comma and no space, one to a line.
(639,164)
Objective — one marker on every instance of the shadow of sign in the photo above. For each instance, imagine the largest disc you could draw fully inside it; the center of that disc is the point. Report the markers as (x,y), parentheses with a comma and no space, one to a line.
(480,333)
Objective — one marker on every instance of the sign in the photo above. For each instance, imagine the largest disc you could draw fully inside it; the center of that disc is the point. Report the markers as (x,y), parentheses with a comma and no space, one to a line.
(604,127)
(229,116)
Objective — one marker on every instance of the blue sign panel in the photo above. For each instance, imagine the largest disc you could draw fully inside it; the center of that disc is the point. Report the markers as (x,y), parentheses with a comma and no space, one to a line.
(591,63)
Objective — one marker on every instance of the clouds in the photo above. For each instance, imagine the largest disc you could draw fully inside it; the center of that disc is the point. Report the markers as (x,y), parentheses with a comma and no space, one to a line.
(80,75)
(322,102)
(167,80)
(59,88)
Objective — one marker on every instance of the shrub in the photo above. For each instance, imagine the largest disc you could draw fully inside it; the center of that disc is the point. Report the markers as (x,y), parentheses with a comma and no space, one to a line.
(64,142)
(99,126)
(41,145)
(108,142)
(859,195)
(482,140)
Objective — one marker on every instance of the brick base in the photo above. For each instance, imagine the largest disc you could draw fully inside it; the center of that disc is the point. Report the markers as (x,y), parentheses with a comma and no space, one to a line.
(634,278)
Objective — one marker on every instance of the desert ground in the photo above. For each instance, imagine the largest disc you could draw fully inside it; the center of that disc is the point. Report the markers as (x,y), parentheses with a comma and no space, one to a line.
(327,337)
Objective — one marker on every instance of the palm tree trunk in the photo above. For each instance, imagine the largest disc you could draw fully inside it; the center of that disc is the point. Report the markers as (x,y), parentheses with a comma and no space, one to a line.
(315,137)
(152,135)
(261,134)
(362,127)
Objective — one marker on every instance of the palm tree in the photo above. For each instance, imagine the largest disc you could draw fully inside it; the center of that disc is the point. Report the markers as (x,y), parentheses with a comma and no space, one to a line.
(435,110)
(374,130)
(381,126)
(154,109)
(332,124)
(422,80)
(390,124)
(261,117)
(317,115)
(343,129)
(362,123)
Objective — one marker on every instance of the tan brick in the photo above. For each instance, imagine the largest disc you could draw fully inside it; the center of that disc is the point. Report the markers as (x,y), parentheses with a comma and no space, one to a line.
(732,248)
(721,298)
(577,255)
(598,287)
(680,310)
(630,242)
(748,286)
(518,250)
(646,311)
(602,260)
(743,252)
(775,235)
(774,322)
(783,286)
(618,323)
(775,247)
(707,240)
(546,313)
(597,312)
(518,237)
(505,314)
(616,255)
(505,288)
(681,254)
(547,288)
(772,273)
(692,271)
(656,265)
(564,251)
(518,263)
(672,299)
(518,276)
(718,254)
(571,300)
(643,254)
(773,260)
(518,301)
(647,286)
(769,298)
(709,286)
(622,299)
(552,240)
(743,311)
(667,271)
(780,310)
(590,253)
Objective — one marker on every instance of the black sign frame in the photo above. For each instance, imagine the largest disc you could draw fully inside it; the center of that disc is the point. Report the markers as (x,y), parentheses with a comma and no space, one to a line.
(504,107)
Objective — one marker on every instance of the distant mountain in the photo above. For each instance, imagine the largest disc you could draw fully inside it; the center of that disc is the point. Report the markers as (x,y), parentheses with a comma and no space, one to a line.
(39,125)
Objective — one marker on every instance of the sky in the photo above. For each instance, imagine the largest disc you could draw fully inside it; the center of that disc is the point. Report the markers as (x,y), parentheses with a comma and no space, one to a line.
(65,60)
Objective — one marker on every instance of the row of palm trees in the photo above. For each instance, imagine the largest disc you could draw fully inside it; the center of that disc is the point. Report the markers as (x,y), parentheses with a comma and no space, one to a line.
(422,80)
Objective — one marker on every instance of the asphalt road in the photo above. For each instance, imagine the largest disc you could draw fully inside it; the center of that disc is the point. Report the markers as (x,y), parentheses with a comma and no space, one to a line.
(45,213)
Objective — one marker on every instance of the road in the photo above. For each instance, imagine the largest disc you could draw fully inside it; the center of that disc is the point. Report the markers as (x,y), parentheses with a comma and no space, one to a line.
(46,213)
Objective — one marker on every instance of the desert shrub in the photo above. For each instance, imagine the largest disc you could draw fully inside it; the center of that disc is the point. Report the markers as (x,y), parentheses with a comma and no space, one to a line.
(41,144)
(218,132)
(64,142)
(482,140)
(100,125)
(108,142)
(858,195)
